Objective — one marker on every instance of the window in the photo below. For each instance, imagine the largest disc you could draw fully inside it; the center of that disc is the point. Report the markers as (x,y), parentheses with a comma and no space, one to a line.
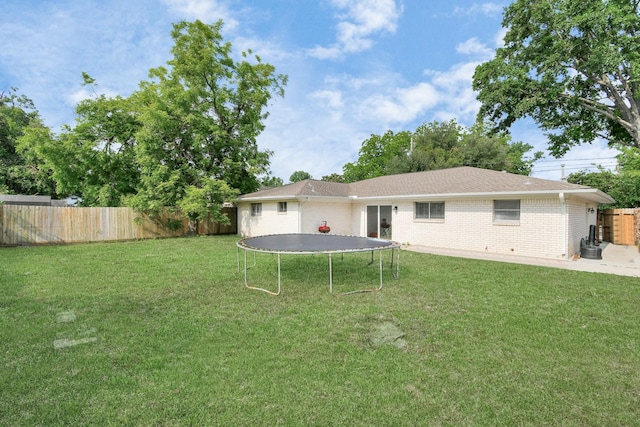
(282,207)
(256,209)
(506,210)
(429,210)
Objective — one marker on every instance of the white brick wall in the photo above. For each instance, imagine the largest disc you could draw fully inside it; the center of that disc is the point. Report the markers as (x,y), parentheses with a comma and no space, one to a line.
(581,219)
(270,222)
(337,215)
(468,224)
(301,217)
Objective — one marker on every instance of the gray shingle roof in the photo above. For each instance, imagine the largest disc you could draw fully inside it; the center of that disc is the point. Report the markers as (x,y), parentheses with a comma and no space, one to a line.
(307,187)
(460,181)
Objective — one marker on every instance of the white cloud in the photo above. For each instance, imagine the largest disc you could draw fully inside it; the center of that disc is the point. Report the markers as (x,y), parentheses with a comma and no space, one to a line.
(402,105)
(76,96)
(305,135)
(267,50)
(320,52)
(208,11)
(473,46)
(458,98)
(332,98)
(499,39)
(489,9)
(359,21)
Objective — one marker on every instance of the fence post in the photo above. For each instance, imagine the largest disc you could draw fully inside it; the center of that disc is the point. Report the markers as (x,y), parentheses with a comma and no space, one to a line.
(636,220)
(1,224)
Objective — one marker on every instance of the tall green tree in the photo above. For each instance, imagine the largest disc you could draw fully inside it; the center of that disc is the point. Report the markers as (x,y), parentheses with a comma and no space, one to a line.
(442,145)
(186,139)
(374,155)
(199,121)
(572,66)
(481,147)
(623,186)
(298,176)
(271,181)
(333,177)
(95,159)
(435,145)
(20,173)
(629,159)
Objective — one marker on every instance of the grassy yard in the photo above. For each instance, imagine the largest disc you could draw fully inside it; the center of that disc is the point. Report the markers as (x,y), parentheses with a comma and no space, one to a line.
(164,332)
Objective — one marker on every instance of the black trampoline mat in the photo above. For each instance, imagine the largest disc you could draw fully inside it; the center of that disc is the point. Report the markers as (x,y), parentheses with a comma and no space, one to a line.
(314,243)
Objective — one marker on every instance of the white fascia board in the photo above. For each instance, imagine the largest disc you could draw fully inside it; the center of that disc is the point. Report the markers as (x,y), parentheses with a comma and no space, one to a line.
(589,193)
(294,197)
(266,198)
(442,196)
(345,199)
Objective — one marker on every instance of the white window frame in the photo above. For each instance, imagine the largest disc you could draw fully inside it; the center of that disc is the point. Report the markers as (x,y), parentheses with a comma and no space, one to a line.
(256,210)
(282,207)
(507,211)
(431,209)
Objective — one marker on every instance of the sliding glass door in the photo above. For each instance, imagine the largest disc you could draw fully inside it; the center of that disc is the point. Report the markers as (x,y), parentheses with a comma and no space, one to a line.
(379,221)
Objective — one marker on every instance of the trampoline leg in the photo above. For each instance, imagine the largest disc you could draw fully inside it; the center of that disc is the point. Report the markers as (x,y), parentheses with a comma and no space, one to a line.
(380,270)
(330,275)
(360,290)
(395,275)
(245,267)
(245,258)
(256,288)
(278,275)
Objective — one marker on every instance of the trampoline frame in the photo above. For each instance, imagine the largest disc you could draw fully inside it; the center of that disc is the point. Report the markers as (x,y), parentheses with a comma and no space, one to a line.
(330,252)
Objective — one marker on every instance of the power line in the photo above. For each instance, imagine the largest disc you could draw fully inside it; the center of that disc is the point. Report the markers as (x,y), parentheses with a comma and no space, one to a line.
(577,160)
(573,167)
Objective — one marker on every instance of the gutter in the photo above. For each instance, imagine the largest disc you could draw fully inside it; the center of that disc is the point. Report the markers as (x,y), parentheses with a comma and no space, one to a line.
(596,195)
(300,197)
(591,194)
(563,218)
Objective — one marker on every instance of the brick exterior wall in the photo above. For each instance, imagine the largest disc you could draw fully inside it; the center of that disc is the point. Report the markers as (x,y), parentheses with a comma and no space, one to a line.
(581,219)
(337,215)
(301,217)
(469,225)
(270,222)
(542,231)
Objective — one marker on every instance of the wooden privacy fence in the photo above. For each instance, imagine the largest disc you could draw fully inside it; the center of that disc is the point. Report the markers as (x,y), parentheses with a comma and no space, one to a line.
(621,226)
(45,224)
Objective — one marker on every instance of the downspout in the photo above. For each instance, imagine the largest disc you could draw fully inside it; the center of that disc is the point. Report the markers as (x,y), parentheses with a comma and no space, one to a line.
(565,238)
(300,203)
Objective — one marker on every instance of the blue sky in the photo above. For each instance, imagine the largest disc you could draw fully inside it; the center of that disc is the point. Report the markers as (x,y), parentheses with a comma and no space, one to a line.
(355,67)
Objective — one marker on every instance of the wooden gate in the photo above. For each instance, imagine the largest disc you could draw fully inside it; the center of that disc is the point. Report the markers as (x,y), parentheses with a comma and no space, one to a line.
(618,226)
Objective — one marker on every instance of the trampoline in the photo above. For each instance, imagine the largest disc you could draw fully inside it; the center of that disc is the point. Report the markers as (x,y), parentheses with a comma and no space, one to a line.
(306,244)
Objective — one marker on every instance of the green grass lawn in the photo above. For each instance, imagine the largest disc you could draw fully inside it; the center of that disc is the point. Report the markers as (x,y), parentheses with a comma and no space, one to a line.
(164,332)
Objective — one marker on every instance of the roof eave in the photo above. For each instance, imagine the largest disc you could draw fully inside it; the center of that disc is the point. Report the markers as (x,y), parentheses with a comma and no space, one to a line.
(299,197)
(588,193)
(266,198)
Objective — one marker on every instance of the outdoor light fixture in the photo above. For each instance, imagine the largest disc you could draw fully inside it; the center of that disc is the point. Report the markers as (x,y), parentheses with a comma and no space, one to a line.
(395,209)
(590,210)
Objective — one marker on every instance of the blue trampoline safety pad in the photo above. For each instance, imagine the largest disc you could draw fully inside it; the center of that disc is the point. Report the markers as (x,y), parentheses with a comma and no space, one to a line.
(314,243)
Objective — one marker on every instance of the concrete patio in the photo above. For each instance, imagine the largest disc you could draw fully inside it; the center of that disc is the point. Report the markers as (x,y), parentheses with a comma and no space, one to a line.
(622,260)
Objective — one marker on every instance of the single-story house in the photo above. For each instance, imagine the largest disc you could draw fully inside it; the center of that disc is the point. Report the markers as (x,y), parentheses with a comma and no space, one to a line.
(460,208)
